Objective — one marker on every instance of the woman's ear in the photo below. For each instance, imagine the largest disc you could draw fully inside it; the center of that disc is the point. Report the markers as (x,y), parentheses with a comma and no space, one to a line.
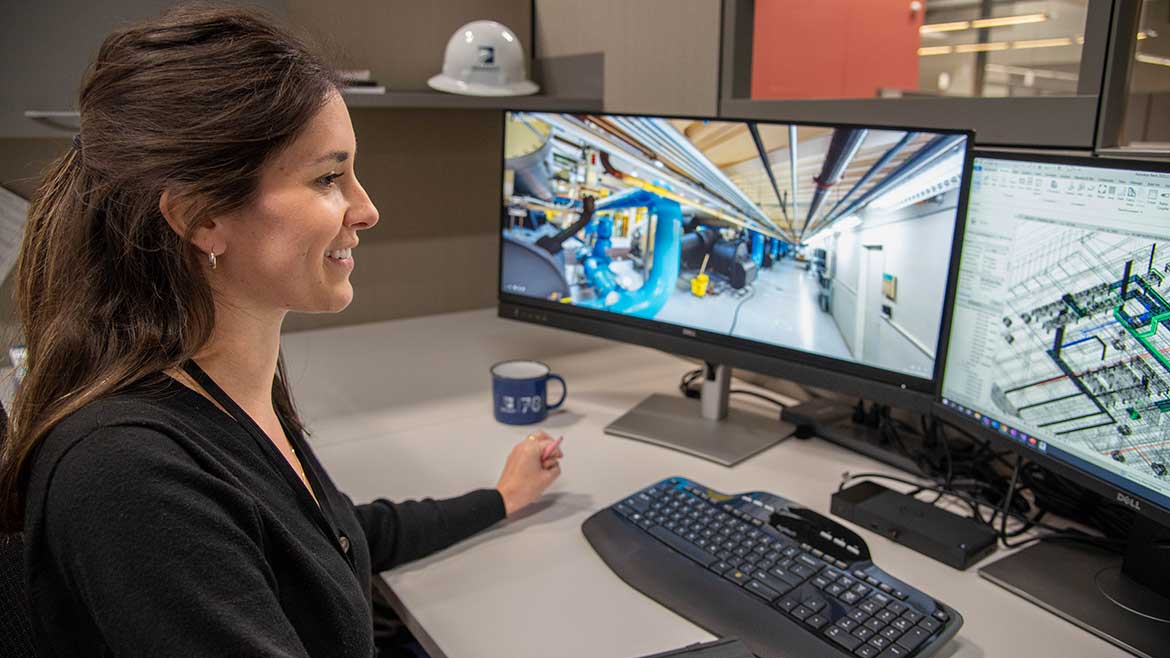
(180,212)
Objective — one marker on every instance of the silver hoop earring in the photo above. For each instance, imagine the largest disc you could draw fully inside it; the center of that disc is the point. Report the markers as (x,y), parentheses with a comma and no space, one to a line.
(211,259)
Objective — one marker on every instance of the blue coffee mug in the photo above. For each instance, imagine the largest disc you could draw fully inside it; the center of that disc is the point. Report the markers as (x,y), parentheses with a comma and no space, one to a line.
(520,392)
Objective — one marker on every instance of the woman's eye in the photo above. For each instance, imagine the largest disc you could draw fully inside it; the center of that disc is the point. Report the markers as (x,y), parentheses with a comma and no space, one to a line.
(328,179)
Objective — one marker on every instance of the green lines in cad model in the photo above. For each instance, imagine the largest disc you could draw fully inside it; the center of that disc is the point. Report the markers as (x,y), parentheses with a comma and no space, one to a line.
(1084,354)
(1157,310)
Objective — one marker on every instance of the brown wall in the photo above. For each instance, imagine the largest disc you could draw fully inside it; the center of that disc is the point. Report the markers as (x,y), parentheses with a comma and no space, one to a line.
(661,56)
(434,176)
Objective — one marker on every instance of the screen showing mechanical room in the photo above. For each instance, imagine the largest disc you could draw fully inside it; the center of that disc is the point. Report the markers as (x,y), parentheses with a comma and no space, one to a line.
(829,240)
(1061,322)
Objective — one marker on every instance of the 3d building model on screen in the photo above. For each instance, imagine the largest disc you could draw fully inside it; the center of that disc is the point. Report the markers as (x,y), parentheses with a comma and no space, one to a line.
(776,233)
(1086,343)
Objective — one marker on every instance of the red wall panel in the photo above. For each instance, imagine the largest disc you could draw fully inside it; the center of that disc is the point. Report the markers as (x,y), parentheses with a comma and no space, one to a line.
(833,48)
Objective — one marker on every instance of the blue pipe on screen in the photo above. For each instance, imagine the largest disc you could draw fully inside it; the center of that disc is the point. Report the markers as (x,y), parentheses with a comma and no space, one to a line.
(758,249)
(648,300)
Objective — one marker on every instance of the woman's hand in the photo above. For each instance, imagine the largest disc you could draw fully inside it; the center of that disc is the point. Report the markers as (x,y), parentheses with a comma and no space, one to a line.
(525,476)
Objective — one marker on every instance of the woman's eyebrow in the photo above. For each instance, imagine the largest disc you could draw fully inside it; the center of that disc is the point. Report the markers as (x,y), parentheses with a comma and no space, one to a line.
(339,156)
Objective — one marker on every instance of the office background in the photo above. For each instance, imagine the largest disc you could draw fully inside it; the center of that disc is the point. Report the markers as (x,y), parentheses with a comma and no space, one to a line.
(1063,75)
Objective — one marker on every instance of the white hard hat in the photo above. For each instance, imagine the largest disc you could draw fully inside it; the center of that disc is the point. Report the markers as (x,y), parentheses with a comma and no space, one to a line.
(484,58)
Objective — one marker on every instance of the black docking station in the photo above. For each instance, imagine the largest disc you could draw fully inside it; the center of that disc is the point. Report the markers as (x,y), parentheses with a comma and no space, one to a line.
(949,538)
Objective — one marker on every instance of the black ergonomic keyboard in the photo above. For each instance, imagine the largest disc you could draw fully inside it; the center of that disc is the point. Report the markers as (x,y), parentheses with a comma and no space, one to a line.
(784,579)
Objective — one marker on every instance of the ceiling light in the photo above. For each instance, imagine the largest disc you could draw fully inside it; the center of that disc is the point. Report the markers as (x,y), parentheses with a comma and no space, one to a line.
(938,177)
(1043,43)
(1152,59)
(935,50)
(981,47)
(1080,40)
(982,23)
(1004,21)
(944,27)
(847,223)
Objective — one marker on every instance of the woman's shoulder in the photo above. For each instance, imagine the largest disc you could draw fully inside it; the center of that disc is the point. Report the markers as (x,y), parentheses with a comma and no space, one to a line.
(141,419)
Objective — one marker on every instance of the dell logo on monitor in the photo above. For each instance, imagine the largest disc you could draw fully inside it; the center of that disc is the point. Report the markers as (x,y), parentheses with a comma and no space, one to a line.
(1128,501)
(689,333)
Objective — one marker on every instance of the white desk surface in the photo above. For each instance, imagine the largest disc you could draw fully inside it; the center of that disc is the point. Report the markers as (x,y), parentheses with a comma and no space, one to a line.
(402,409)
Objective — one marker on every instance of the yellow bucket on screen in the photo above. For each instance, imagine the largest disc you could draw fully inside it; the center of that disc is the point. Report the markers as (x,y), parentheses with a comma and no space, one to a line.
(699,285)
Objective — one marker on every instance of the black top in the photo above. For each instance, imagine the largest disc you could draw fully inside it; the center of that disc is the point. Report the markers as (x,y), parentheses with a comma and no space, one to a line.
(158,525)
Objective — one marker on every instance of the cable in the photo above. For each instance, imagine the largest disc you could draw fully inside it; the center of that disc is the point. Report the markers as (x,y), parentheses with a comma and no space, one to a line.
(689,377)
(751,291)
(767,398)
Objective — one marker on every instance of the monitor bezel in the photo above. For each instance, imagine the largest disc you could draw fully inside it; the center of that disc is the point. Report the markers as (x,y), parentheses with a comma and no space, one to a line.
(1130,499)
(871,382)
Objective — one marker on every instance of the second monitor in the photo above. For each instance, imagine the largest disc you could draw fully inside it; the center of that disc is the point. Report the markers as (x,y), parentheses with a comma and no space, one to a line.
(822,246)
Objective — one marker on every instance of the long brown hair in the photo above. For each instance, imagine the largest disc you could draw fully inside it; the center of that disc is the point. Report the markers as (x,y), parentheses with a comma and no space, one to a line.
(195,102)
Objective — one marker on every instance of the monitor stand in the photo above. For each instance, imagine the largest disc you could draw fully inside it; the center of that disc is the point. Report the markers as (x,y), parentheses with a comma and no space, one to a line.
(1125,600)
(706,428)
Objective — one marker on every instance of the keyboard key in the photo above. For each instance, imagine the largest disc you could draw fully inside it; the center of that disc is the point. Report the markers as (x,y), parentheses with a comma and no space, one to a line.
(747,568)
(791,551)
(914,637)
(930,624)
(846,582)
(850,597)
(835,589)
(860,590)
(858,615)
(720,567)
(874,624)
(771,581)
(859,574)
(802,571)
(816,621)
(814,604)
(761,590)
(801,612)
(870,606)
(885,588)
(736,576)
(940,615)
(843,638)
(881,599)
(820,581)
(786,576)
(902,624)
(847,624)
(899,594)
(894,651)
(831,573)
(788,603)
(862,633)
(885,616)
(879,642)
(810,561)
(765,564)
(890,633)
(735,560)
(866,651)
(897,607)
(872,581)
(912,616)
(682,546)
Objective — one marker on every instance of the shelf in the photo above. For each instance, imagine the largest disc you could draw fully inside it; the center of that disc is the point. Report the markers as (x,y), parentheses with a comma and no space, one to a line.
(440,101)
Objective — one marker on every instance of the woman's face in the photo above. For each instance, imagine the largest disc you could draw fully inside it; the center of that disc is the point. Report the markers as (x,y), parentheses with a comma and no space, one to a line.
(289,249)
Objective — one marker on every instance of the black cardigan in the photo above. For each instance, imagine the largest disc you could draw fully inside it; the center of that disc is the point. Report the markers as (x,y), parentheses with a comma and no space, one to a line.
(157,526)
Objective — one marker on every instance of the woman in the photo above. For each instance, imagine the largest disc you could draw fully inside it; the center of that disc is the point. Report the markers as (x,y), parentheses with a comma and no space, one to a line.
(169,501)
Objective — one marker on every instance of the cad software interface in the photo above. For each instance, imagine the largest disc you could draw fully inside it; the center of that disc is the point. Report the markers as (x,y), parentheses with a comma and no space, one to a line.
(1061,329)
(834,241)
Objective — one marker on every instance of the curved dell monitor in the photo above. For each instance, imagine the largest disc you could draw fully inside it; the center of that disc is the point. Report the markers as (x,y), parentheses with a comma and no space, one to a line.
(818,253)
